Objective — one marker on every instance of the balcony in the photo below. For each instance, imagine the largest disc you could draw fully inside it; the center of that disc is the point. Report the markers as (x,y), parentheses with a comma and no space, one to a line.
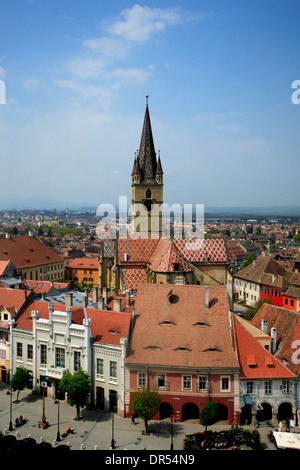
(56,372)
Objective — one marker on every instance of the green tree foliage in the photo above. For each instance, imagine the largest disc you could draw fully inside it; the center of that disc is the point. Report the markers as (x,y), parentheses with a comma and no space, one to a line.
(77,387)
(145,403)
(249,260)
(20,380)
(209,414)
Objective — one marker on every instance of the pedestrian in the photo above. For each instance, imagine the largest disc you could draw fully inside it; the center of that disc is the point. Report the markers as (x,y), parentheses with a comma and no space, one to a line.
(132,419)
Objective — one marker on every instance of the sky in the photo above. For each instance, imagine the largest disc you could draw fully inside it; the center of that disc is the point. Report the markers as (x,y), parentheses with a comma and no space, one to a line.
(74,75)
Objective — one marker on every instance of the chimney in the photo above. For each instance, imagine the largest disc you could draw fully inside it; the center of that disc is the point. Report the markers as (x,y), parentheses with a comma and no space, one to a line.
(264,326)
(117,304)
(85,300)
(101,303)
(105,296)
(273,340)
(95,295)
(69,299)
(43,296)
(127,298)
(206,302)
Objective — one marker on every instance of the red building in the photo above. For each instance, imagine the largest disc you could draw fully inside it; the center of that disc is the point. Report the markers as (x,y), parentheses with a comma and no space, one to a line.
(182,345)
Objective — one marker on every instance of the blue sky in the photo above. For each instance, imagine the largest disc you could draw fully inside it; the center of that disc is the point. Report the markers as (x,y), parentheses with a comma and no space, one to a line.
(219,76)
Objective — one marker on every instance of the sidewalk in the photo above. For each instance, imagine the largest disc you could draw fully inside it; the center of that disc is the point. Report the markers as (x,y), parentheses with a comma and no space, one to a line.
(94,431)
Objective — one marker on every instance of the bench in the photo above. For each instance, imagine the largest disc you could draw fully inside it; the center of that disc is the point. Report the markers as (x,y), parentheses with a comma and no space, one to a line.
(66,431)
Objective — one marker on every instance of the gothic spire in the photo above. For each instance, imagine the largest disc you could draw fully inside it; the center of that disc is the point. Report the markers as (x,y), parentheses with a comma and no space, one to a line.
(147,156)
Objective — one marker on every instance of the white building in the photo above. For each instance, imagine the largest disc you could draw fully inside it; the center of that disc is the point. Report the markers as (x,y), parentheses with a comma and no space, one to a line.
(52,339)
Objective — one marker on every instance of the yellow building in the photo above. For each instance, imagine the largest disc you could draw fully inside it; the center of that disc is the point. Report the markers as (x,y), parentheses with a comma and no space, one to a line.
(33,259)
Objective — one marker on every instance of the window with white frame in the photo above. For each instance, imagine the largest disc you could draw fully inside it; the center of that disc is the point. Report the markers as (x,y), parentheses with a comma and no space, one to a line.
(161,380)
(286,386)
(249,388)
(43,355)
(202,383)
(141,382)
(186,382)
(19,350)
(77,360)
(225,384)
(100,368)
(29,353)
(113,371)
(60,357)
(268,387)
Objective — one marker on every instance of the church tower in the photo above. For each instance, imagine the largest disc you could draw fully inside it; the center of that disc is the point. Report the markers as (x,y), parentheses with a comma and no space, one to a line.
(147,186)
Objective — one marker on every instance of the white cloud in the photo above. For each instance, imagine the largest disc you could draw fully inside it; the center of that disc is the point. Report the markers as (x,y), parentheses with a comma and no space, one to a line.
(131,75)
(107,46)
(139,23)
(85,67)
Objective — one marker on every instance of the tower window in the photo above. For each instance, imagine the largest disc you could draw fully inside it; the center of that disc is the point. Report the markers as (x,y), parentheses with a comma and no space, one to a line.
(148,194)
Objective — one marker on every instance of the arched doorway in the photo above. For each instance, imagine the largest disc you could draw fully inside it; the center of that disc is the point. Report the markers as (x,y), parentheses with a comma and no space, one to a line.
(265,413)
(285,412)
(165,410)
(223,412)
(190,411)
(246,414)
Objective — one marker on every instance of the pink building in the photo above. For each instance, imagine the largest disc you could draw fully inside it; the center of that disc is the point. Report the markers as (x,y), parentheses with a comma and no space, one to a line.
(183,346)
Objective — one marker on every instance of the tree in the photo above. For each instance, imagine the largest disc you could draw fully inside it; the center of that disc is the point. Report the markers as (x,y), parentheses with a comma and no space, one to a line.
(77,388)
(249,260)
(209,414)
(145,403)
(20,380)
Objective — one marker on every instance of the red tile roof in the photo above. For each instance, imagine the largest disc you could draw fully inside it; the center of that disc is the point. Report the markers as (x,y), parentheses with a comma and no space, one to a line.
(107,326)
(26,251)
(132,277)
(165,255)
(12,297)
(287,324)
(173,328)
(255,361)
(84,263)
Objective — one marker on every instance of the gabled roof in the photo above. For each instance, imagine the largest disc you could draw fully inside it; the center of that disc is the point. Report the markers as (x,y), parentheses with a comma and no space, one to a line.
(255,361)
(83,263)
(26,251)
(12,297)
(173,328)
(107,326)
(165,255)
(265,270)
(287,324)
(144,251)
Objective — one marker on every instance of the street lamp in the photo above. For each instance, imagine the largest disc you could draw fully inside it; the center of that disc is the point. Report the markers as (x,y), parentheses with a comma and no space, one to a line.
(56,402)
(113,403)
(10,409)
(172,414)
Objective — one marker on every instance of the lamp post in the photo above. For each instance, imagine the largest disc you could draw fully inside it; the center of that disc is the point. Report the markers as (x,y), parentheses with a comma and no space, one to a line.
(172,414)
(10,409)
(113,402)
(58,434)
